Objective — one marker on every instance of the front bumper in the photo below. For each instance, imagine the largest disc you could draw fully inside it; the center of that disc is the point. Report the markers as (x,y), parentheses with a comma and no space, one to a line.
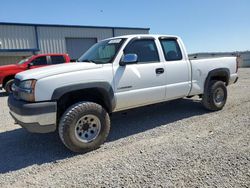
(35,117)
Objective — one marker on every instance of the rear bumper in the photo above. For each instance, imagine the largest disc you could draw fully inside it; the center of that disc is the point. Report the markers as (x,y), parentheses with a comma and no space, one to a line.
(35,117)
(236,80)
(233,78)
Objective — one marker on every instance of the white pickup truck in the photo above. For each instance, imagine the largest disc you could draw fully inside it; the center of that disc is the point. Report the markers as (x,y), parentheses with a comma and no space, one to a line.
(115,74)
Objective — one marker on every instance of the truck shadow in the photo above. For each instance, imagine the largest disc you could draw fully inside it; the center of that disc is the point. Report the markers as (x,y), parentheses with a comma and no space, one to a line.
(20,149)
(138,120)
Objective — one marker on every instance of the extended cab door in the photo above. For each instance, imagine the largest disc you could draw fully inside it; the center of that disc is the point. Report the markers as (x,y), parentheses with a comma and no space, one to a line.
(143,82)
(178,71)
(56,59)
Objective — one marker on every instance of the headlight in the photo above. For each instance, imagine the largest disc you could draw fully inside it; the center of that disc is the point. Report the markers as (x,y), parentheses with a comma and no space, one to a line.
(26,90)
(27,84)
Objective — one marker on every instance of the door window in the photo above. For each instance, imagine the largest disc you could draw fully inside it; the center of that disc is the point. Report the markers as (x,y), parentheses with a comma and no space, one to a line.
(171,49)
(57,59)
(40,61)
(145,49)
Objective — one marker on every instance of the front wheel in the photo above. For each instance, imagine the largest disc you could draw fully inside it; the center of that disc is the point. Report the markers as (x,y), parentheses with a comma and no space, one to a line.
(215,97)
(84,127)
(8,86)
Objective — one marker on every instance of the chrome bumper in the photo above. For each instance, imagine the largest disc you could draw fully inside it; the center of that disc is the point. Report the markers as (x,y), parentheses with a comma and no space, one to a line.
(35,117)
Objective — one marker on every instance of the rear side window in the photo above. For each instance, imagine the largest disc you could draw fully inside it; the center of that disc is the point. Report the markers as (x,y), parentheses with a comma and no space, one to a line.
(57,59)
(145,49)
(171,49)
(40,61)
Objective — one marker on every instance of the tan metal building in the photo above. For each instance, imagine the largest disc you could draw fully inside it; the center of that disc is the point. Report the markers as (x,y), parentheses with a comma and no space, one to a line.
(19,40)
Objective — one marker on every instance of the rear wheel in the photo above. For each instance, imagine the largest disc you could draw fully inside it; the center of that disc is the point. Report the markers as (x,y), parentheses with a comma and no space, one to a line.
(8,86)
(84,127)
(216,96)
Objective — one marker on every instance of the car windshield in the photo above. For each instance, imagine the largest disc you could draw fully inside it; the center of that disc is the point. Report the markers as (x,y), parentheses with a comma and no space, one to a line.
(102,52)
(23,60)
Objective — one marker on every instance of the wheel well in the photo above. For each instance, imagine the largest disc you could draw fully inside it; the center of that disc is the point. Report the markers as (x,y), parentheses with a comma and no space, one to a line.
(70,98)
(217,74)
(220,78)
(7,78)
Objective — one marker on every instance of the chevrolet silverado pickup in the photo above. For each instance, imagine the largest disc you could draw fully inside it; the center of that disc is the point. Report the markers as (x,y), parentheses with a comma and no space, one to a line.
(113,75)
(8,72)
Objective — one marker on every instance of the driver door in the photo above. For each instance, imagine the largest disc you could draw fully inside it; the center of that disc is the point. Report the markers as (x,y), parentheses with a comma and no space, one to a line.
(141,83)
(40,61)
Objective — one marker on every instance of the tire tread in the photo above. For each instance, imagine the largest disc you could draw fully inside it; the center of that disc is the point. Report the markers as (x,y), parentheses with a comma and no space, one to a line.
(207,99)
(69,116)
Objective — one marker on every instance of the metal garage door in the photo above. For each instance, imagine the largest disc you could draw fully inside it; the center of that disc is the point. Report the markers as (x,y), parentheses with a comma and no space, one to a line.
(77,46)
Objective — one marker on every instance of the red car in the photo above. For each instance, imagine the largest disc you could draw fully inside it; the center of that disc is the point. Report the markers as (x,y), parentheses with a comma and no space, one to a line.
(8,72)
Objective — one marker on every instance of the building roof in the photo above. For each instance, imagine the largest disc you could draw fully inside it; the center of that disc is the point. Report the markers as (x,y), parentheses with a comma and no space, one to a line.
(73,26)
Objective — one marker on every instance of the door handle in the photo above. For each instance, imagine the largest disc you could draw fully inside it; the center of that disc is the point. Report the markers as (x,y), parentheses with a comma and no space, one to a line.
(159,70)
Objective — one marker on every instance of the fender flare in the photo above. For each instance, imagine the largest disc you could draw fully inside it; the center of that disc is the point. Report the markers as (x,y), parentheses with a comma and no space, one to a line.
(221,72)
(103,87)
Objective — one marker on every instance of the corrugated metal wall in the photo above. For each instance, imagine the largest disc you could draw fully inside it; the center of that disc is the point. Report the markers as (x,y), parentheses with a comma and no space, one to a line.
(119,32)
(48,38)
(52,39)
(16,53)
(17,37)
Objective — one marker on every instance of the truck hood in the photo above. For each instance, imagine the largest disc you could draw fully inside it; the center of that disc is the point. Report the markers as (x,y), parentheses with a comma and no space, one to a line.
(51,70)
(9,67)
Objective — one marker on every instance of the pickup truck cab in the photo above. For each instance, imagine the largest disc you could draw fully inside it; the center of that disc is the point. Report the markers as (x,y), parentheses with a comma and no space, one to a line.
(113,75)
(8,72)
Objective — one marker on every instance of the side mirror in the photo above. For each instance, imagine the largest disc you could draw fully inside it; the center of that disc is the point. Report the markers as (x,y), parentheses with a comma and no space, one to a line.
(128,59)
(30,65)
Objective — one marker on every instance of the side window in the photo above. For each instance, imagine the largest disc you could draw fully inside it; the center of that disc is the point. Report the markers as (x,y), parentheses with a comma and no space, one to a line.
(145,49)
(57,59)
(171,49)
(40,61)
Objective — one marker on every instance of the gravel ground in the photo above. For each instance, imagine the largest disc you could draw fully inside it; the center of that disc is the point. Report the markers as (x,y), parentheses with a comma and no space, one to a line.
(174,144)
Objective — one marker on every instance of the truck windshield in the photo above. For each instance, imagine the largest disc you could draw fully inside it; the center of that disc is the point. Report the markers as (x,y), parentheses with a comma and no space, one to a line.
(102,52)
(23,60)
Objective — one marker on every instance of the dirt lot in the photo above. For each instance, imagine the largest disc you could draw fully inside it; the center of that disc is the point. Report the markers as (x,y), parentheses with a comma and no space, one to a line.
(175,144)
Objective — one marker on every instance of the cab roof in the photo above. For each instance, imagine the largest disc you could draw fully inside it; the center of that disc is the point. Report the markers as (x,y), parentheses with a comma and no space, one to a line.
(144,35)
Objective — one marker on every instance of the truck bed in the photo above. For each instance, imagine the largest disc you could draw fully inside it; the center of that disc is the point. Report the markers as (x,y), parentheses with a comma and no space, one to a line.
(202,66)
(210,55)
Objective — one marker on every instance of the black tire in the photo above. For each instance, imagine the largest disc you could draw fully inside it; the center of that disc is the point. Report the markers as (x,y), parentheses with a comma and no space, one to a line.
(211,100)
(8,85)
(68,126)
